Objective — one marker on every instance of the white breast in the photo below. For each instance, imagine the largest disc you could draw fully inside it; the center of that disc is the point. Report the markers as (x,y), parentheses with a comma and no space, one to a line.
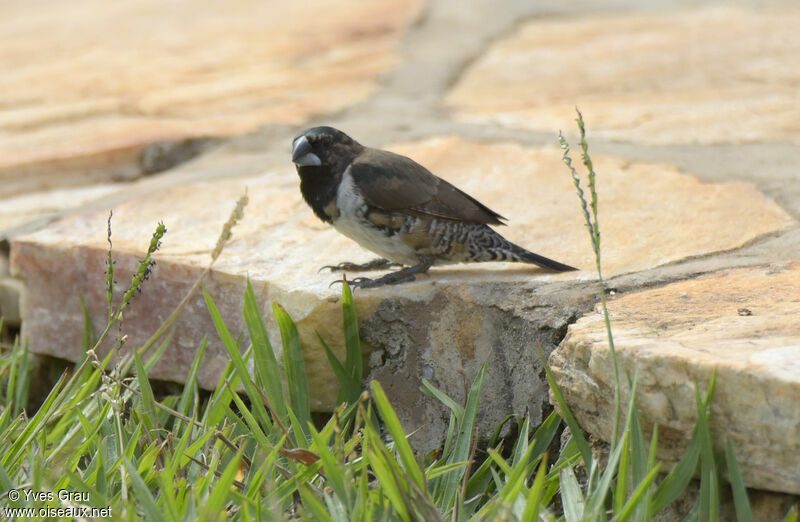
(352,223)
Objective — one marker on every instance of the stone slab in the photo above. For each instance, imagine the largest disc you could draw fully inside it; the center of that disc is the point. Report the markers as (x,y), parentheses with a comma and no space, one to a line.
(743,323)
(34,209)
(710,74)
(443,326)
(87,85)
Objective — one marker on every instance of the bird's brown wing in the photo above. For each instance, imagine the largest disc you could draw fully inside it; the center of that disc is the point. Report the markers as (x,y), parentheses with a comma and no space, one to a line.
(396,183)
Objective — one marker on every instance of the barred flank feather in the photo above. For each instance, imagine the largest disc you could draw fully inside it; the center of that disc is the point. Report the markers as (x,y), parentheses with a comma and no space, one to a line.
(487,245)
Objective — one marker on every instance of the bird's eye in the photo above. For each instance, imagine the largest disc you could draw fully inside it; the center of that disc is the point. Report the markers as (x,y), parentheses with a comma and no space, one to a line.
(326,140)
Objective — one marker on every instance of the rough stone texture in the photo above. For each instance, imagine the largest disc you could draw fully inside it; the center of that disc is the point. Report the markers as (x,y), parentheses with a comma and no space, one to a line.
(491,312)
(498,324)
(35,209)
(742,322)
(87,86)
(385,80)
(653,203)
(709,75)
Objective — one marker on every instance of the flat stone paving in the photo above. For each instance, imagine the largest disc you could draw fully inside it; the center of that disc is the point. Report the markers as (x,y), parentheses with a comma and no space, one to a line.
(87,85)
(692,114)
(743,323)
(717,74)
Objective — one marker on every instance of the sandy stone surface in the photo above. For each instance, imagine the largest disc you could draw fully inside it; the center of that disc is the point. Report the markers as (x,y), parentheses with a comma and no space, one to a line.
(707,75)
(743,323)
(281,245)
(647,211)
(692,115)
(37,208)
(87,85)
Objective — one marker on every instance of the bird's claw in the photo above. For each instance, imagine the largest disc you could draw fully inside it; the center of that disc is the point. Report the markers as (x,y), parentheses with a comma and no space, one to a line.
(340,281)
(358,282)
(338,268)
(375,264)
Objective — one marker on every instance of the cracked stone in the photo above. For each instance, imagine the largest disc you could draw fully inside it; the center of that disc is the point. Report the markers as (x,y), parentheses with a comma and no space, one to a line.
(705,75)
(676,336)
(148,72)
(443,326)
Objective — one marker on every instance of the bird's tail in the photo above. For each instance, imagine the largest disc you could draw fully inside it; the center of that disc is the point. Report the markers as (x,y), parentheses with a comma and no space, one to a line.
(498,248)
(529,257)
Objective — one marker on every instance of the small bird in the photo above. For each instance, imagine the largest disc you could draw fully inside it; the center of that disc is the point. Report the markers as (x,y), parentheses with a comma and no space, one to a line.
(395,207)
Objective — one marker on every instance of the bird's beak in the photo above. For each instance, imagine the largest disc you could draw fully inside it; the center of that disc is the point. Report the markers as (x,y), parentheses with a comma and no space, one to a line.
(302,155)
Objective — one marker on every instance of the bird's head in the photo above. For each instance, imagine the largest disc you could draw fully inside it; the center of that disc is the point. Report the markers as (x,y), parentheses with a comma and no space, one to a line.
(324,147)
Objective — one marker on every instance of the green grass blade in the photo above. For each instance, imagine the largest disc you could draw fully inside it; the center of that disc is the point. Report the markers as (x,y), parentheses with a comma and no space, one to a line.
(544,435)
(676,481)
(429,389)
(23,380)
(534,500)
(740,499)
(89,336)
(644,511)
(638,497)
(214,410)
(166,495)
(334,470)
(34,425)
(301,438)
(316,509)
(349,388)
(516,477)
(621,491)
(575,429)
(793,515)
(148,401)
(190,388)
(222,488)
(266,364)
(520,451)
(437,471)
(639,462)
(479,484)
(144,498)
(596,501)
(395,429)
(388,483)
(597,495)
(237,360)
(463,442)
(709,476)
(571,496)
(255,430)
(153,359)
(295,367)
(638,450)
(354,361)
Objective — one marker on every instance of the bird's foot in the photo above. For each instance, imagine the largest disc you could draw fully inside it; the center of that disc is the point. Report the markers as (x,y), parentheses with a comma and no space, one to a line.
(392,278)
(375,264)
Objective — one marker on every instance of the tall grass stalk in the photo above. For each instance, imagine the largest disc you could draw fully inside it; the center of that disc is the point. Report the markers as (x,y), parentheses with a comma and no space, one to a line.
(593,227)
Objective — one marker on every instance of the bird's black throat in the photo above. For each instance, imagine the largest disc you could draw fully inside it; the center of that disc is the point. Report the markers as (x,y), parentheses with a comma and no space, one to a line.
(318,186)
